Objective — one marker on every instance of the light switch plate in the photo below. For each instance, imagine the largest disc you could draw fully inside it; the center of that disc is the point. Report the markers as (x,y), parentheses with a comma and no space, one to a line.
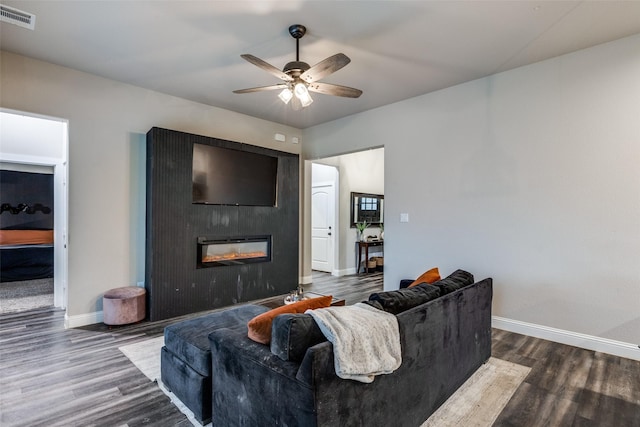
(404,217)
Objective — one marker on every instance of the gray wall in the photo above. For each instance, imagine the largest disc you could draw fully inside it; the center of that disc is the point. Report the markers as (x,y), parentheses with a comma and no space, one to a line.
(529,176)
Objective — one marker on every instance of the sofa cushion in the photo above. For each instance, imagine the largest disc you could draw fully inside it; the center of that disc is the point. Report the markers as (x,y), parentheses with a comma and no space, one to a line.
(456,280)
(404,283)
(292,334)
(259,328)
(374,304)
(188,340)
(403,299)
(428,276)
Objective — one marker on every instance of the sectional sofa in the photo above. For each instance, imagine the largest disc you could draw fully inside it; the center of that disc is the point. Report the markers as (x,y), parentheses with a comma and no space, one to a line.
(445,335)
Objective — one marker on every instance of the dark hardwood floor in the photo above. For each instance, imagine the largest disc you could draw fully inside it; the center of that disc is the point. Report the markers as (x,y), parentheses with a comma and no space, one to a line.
(51,376)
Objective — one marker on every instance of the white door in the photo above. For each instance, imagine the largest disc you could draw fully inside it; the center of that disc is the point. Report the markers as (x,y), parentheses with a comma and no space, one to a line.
(322,227)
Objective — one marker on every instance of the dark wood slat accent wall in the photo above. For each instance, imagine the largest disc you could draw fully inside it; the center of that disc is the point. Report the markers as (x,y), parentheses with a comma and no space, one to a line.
(174,285)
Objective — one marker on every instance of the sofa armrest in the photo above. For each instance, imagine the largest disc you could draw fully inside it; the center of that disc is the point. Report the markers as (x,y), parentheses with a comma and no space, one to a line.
(318,364)
(248,382)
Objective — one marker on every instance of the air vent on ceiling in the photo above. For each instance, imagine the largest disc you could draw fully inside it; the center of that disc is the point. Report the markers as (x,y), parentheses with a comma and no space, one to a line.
(17,17)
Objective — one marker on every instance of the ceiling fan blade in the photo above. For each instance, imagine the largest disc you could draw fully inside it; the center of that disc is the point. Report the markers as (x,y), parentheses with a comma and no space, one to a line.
(335,90)
(261,88)
(267,67)
(325,67)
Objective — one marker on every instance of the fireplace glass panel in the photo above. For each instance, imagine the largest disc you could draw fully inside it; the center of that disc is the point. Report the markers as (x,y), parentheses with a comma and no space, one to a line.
(241,250)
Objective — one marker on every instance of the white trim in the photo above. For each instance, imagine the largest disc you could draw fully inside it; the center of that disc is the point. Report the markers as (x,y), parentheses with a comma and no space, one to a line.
(305,280)
(36,115)
(344,272)
(31,160)
(589,342)
(82,319)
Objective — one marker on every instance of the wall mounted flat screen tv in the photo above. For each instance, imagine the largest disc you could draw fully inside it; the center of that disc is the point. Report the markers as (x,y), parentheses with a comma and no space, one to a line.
(224,176)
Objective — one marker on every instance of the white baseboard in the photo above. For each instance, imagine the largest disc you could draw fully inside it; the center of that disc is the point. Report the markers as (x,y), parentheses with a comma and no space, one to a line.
(344,272)
(82,319)
(589,342)
(305,280)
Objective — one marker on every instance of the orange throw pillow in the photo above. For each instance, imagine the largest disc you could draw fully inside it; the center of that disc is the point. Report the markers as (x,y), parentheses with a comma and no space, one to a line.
(429,276)
(260,326)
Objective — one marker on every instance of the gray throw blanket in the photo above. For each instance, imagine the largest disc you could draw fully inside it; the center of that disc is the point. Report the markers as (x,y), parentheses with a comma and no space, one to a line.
(366,341)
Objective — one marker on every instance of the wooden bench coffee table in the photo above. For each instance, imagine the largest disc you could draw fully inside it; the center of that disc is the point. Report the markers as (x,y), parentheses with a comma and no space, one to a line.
(278,301)
(334,302)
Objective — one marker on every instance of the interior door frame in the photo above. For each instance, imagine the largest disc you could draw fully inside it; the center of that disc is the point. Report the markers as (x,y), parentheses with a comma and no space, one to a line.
(60,205)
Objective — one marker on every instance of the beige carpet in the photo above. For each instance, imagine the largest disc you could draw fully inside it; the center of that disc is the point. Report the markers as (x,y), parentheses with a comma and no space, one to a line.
(476,404)
(25,295)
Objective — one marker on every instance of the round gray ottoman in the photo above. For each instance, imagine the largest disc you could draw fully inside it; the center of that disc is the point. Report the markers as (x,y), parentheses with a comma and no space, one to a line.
(121,306)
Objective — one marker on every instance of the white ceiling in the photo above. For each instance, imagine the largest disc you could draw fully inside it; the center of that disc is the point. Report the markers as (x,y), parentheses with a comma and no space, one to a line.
(398,49)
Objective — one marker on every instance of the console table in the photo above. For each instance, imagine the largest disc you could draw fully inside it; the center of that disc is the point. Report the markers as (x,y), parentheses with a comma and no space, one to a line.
(366,246)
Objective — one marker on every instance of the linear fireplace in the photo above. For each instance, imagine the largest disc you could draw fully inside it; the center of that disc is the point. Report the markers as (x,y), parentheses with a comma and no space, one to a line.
(218,252)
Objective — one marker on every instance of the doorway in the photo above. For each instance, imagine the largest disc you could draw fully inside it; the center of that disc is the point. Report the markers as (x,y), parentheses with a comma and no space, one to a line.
(31,141)
(358,172)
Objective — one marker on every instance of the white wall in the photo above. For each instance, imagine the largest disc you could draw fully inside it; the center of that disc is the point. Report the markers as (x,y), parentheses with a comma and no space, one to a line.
(361,172)
(108,122)
(529,176)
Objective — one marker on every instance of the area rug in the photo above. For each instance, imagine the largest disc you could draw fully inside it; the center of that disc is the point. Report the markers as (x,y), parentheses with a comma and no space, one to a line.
(477,403)
(482,397)
(146,356)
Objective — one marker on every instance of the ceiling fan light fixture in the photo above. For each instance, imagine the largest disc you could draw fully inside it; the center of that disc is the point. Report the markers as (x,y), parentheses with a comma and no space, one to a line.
(303,94)
(306,101)
(301,91)
(286,95)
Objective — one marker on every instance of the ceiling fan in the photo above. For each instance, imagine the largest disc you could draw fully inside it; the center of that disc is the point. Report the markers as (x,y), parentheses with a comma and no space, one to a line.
(299,78)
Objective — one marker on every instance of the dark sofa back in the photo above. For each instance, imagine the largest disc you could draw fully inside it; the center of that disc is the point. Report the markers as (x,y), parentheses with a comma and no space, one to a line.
(293,334)
(395,302)
(443,342)
(457,328)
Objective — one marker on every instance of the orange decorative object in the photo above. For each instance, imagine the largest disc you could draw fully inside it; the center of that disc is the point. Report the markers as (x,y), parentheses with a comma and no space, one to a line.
(429,276)
(26,237)
(259,328)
